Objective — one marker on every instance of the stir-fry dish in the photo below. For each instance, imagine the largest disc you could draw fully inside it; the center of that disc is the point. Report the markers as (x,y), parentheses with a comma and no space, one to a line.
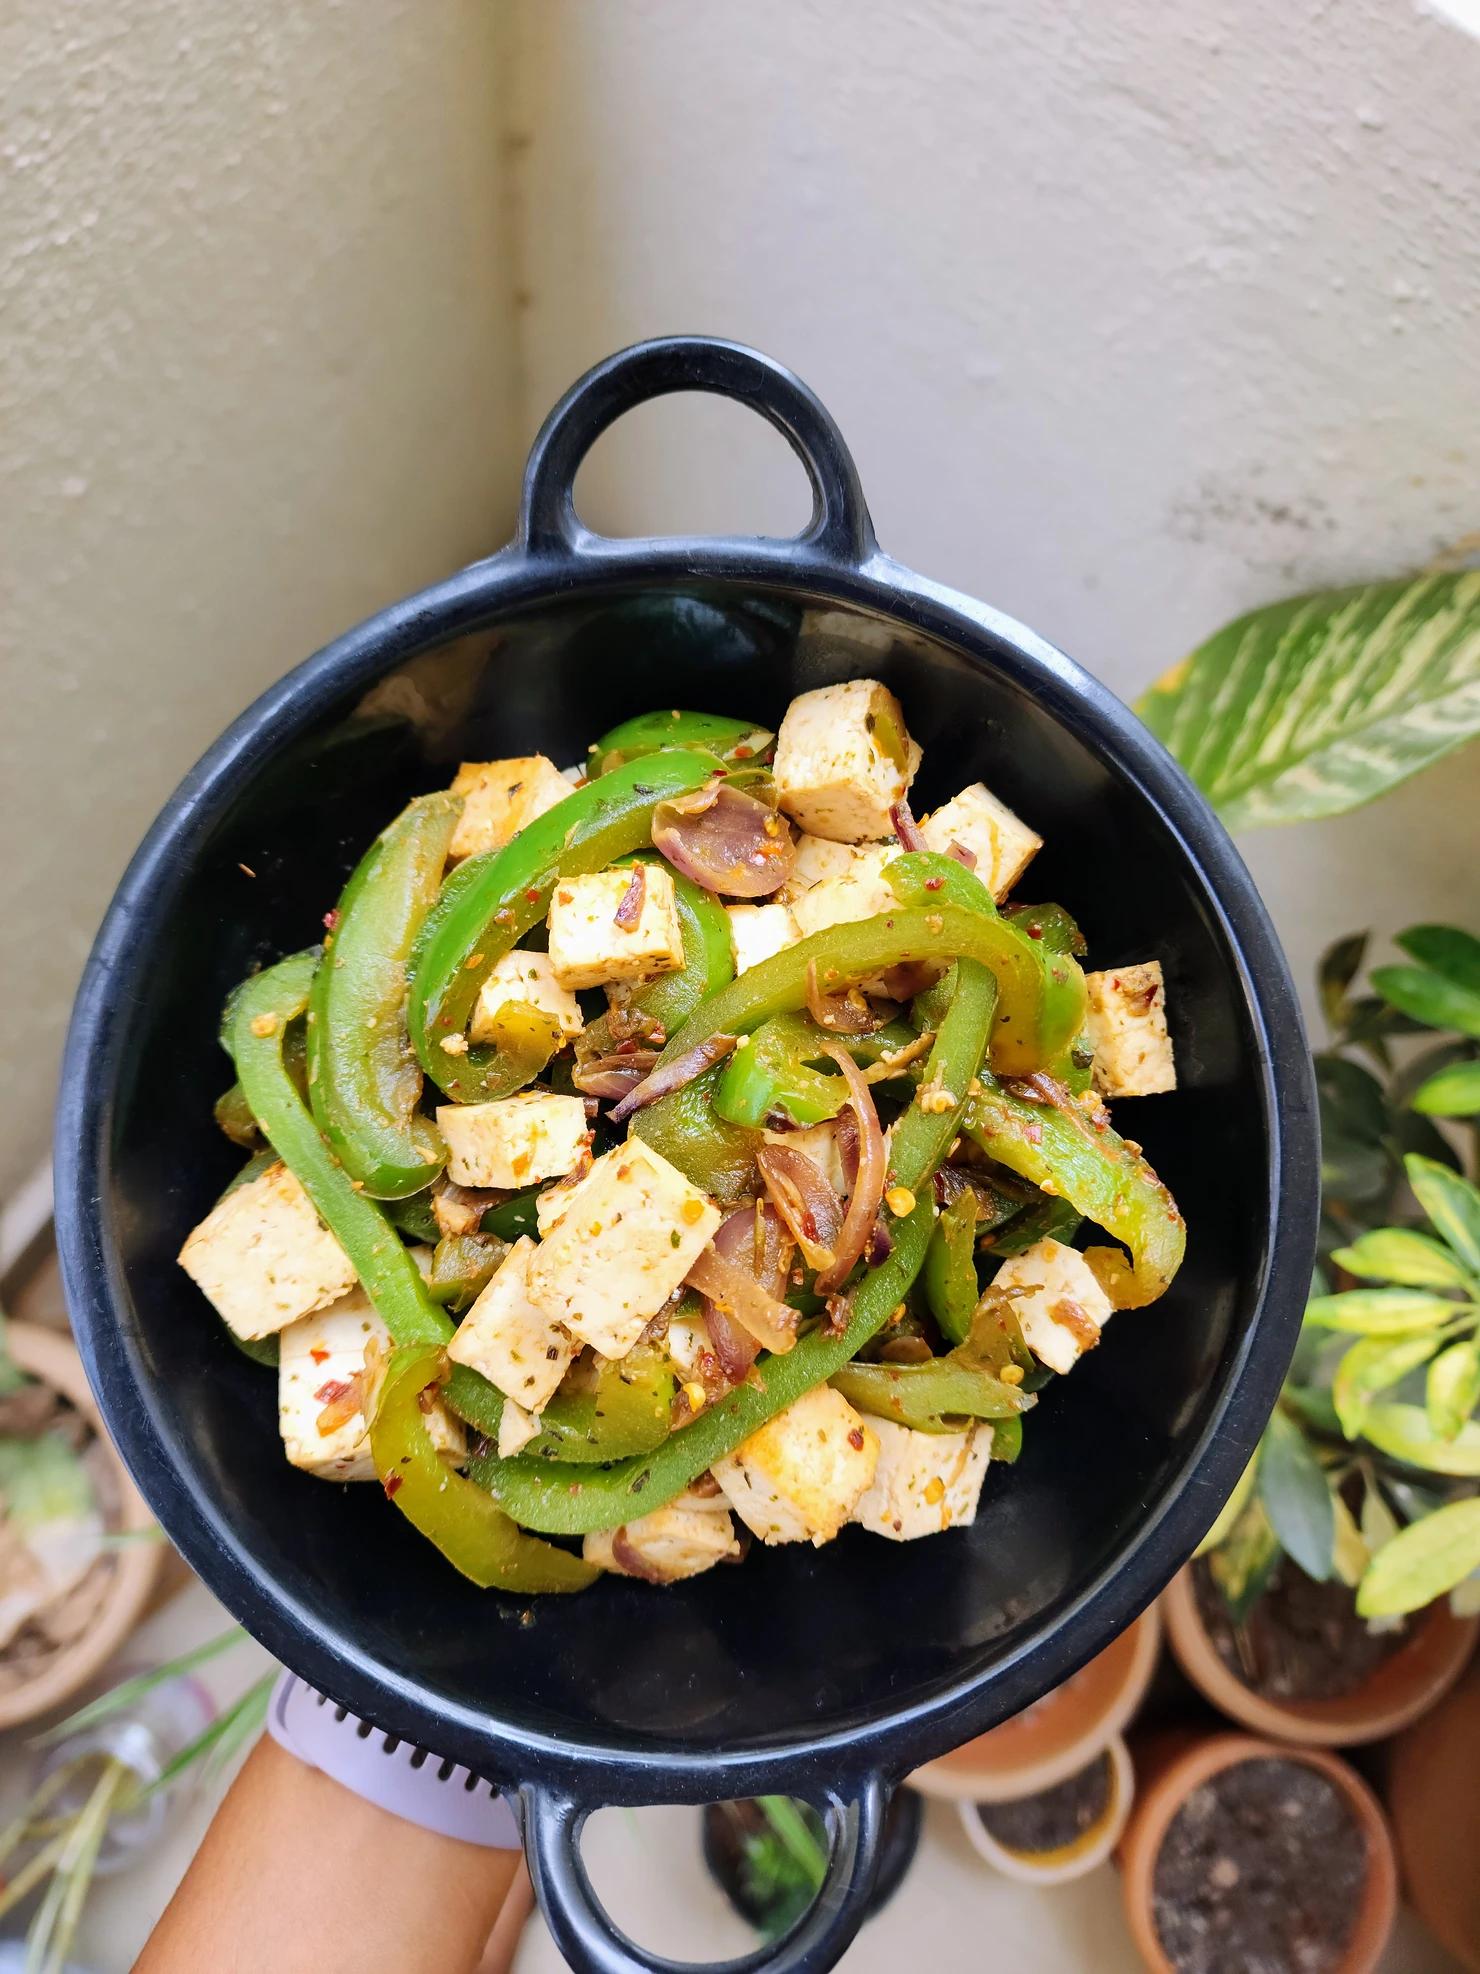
(687,1139)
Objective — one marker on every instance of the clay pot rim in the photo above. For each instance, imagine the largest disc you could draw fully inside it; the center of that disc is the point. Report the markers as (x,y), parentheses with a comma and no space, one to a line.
(958,1785)
(1312,1723)
(51,1357)
(1159,1802)
(1071,1861)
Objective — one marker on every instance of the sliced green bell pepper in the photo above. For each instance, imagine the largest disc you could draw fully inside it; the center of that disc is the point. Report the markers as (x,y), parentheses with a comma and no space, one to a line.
(492,900)
(776,1071)
(513,1217)
(1050,924)
(462,1267)
(653,733)
(233,1113)
(951,1291)
(363,1080)
(685,1128)
(931,1398)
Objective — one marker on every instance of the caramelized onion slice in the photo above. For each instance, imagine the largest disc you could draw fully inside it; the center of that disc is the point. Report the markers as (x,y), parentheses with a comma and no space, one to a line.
(726,841)
(674,1075)
(848,1013)
(613,1076)
(736,1294)
(905,826)
(868,1186)
(812,1211)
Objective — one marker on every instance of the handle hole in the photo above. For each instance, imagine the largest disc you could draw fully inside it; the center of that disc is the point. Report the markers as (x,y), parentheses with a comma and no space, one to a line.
(692,464)
(647,1869)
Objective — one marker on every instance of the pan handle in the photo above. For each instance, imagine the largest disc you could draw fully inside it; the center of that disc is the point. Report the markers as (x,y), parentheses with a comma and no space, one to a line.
(592,1944)
(840,527)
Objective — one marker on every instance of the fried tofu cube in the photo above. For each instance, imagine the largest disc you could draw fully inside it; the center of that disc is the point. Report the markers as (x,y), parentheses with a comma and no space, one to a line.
(1002,844)
(843,759)
(924,1482)
(511,1339)
(686,1538)
(818,1142)
(516,1428)
(589,947)
(1064,1308)
(500,797)
(817,857)
(264,1258)
(514,1141)
(860,890)
(323,1364)
(759,932)
(1126,1016)
(801,1476)
(530,978)
(615,1256)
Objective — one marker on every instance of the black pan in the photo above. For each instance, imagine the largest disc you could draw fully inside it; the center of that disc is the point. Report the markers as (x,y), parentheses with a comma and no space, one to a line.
(826,1672)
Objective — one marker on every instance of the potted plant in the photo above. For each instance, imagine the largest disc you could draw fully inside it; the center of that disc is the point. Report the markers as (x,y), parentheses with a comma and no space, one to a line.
(78,1562)
(1058,1833)
(1244,1853)
(768,1855)
(1430,1793)
(1334,1599)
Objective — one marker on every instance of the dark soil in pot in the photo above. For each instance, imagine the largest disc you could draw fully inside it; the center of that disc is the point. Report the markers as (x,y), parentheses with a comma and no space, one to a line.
(749,1862)
(1302,1640)
(1053,1819)
(1261,1869)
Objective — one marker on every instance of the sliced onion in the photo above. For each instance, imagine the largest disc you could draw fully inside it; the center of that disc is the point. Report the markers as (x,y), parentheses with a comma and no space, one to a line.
(630,910)
(755,1237)
(962,855)
(868,1187)
(629,1559)
(845,1136)
(670,1076)
(735,1293)
(735,1350)
(812,1211)
(726,841)
(880,1244)
(613,1076)
(848,1013)
(905,826)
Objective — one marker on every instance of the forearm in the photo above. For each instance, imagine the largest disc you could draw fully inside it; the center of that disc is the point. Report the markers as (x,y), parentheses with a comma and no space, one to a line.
(296,1871)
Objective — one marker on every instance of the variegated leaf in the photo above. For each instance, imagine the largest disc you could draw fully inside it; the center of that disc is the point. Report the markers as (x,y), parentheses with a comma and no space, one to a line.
(1313,706)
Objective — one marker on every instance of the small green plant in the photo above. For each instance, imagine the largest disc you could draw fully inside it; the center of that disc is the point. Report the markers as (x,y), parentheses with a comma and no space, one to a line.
(1370,1467)
(780,1844)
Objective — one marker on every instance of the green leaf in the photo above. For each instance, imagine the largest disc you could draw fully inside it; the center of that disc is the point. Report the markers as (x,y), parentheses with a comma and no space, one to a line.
(1379,1523)
(1398,1254)
(1314,1407)
(1350,1554)
(1292,1487)
(1426,1063)
(1232,1508)
(1423,1562)
(1454,1092)
(1243,1564)
(1452,1204)
(1429,997)
(1447,950)
(1314,705)
(1453,1387)
(1339,966)
(1380,1312)
(1403,1432)
(1372,1366)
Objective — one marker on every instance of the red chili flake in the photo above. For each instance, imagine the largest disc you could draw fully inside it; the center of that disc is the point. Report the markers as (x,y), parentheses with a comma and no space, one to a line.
(1035,931)
(319,1356)
(331,1389)
(532,894)
(855,1439)
(629,911)
(743,753)
(331,920)
(934,883)
(391,1484)
(1033,1132)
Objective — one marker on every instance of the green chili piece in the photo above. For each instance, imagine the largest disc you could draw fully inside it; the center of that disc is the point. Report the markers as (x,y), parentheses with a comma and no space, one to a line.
(363,1080)
(950,1269)
(653,733)
(492,900)
(931,1398)
(474,1535)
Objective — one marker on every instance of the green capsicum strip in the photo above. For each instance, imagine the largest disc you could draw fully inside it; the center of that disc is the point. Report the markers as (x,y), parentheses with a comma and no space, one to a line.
(474,1535)
(622,1407)
(462,1267)
(1087,1164)
(363,1080)
(492,900)
(492,1551)
(654,733)
(716,1156)
(932,1398)
(563,1498)
(950,1269)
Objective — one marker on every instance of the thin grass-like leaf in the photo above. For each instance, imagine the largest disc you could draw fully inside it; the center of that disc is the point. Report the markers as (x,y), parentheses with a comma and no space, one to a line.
(118,1699)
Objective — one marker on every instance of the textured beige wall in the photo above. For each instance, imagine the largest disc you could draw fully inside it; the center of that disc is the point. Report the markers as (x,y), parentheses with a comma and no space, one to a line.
(256,379)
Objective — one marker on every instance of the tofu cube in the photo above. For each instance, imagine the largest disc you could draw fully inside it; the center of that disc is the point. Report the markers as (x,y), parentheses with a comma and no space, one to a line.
(819,1142)
(686,1538)
(1126,1016)
(817,857)
(924,1482)
(588,947)
(1064,1309)
(860,890)
(759,932)
(322,1362)
(516,1428)
(1003,845)
(264,1258)
(801,1476)
(552,1205)
(513,1141)
(616,1255)
(843,759)
(500,797)
(527,977)
(513,1340)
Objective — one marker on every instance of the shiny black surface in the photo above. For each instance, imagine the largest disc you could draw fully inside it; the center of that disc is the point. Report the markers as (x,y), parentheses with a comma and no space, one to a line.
(803,1668)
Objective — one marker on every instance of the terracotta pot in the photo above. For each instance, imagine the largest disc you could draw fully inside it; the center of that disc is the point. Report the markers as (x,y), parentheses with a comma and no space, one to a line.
(1057,1736)
(51,1357)
(1070,1861)
(1170,1769)
(1431,1796)
(1395,1694)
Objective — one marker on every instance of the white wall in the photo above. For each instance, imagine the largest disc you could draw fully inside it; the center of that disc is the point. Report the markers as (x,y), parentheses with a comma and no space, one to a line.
(257,380)
(1135,316)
